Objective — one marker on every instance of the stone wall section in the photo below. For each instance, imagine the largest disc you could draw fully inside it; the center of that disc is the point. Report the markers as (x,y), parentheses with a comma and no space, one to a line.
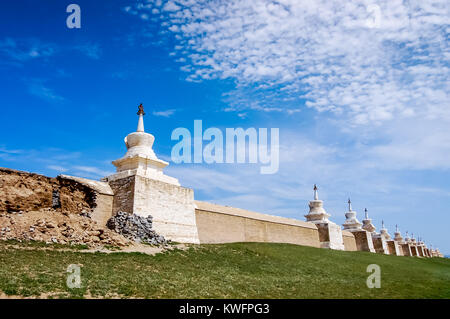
(380,245)
(394,248)
(406,249)
(224,224)
(103,201)
(349,241)
(172,208)
(123,195)
(330,235)
(363,241)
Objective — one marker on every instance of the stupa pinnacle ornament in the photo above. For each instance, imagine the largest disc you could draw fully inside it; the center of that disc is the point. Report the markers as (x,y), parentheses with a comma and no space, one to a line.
(351,223)
(367,223)
(141,114)
(317,213)
(140,158)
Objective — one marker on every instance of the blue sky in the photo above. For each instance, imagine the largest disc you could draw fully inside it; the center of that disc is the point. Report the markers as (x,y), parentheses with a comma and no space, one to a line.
(362,108)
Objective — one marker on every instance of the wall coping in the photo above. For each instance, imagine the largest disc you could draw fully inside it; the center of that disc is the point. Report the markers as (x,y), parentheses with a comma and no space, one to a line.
(227,210)
(100,187)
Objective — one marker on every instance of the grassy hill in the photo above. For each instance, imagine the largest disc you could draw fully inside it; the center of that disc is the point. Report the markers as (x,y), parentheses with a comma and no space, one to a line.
(242,270)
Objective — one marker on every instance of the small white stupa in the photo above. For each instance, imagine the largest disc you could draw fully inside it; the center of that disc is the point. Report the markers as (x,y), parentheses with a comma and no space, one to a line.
(140,158)
(384,231)
(367,223)
(351,223)
(420,241)
(407,238)
(330,234)
(397,234)
(317,213)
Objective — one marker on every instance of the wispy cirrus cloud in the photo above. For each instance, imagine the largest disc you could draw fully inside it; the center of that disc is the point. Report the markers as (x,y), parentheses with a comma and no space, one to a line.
(38,88)
(8,154)
(91,50)
(48,160)
(22,50)
(164,113)
(92,170)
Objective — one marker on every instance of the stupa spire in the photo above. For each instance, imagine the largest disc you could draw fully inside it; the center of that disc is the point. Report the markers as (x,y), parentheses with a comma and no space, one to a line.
(141,114)
(349,205)
(316,194)
(366,214)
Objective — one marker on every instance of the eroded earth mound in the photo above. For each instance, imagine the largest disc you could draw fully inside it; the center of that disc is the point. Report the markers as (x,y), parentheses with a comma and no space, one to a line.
(36,207)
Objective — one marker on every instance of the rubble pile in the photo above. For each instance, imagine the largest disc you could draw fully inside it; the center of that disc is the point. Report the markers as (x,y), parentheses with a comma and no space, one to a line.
(135,228)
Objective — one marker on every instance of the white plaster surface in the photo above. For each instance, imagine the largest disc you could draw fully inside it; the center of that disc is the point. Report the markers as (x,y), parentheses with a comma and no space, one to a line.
(172,208)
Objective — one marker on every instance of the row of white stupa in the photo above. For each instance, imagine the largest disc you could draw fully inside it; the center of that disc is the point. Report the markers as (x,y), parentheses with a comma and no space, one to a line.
(141,160)
(318,215)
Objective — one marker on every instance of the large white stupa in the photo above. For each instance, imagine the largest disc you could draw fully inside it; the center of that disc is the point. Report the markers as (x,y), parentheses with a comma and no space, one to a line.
(140,158)
(141,187)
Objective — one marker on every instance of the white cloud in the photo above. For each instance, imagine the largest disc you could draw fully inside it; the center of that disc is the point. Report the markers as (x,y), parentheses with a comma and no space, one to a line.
(37,88)
(57,168)
(22,50)
(10,151)
(414,144)
(320,51)
(92,50)
(171,6)
(165,113)
(95,171)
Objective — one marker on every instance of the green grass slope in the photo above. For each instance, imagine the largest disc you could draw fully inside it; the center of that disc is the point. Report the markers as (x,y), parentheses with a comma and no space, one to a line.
(241,270)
